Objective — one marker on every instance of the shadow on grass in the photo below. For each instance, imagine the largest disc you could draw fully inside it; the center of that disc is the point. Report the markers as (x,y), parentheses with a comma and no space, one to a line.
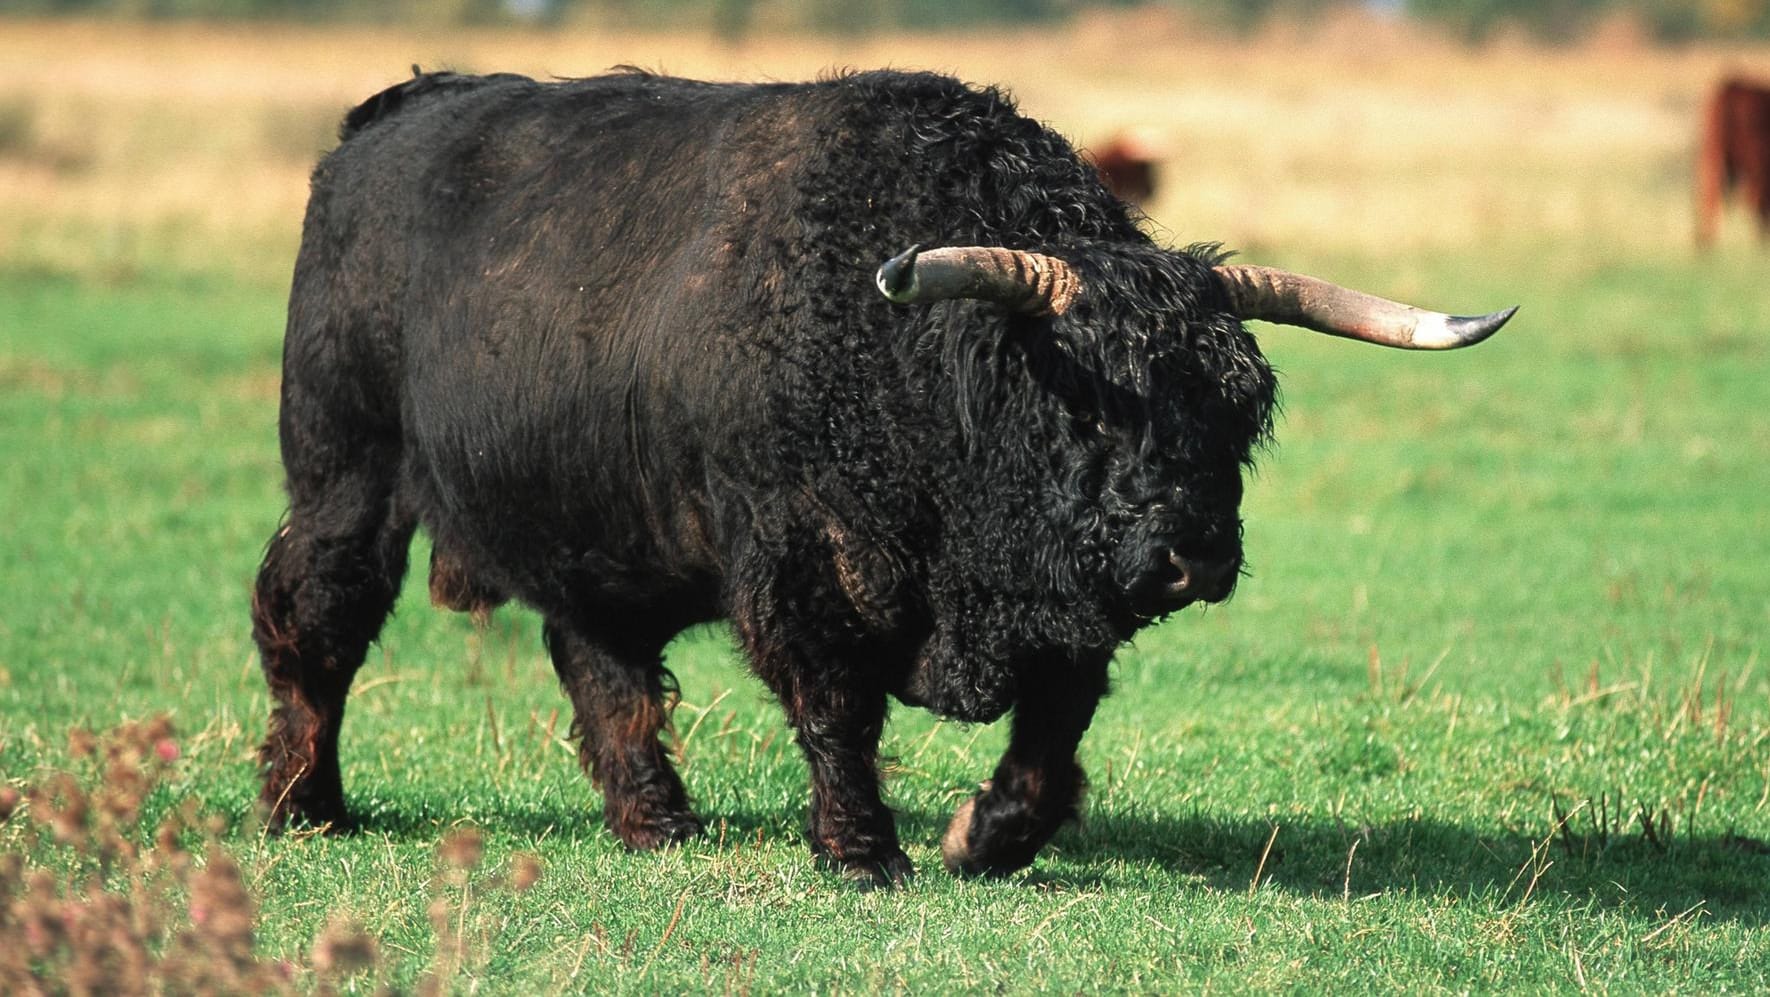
(1728,875)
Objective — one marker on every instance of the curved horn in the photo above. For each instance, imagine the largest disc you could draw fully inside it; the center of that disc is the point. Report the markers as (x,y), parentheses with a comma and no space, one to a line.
(1031,283)
(1293,299)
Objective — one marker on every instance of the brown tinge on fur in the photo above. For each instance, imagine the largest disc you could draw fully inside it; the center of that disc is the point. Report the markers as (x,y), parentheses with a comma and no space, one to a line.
(451,587)
(866,575)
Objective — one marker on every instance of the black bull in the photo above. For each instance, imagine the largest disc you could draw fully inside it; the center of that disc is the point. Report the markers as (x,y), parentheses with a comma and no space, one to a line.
(618,345)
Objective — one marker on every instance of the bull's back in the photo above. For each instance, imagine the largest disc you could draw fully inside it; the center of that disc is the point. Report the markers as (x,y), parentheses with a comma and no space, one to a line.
(558,286)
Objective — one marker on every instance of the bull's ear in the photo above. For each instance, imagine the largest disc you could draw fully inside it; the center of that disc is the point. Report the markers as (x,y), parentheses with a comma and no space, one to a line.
(1294,299)
(1030,283)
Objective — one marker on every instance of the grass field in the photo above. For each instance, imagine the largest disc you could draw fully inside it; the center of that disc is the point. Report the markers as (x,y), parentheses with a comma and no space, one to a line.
(1489,714)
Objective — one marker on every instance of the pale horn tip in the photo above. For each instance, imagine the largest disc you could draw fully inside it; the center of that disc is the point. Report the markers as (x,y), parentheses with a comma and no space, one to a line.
(896,277)
(1463,330)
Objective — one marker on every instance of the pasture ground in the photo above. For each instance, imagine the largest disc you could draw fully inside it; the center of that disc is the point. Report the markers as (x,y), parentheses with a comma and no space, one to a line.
(1490,712)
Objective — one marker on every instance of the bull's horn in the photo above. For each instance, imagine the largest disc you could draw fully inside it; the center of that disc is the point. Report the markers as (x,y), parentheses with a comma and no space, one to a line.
(1031,283)
(1293,299)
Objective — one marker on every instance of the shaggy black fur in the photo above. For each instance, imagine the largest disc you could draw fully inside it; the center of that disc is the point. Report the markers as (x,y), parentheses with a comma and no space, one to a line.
(613,343)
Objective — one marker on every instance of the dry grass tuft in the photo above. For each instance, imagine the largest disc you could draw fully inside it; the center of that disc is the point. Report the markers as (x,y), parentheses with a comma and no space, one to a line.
(93,900)
(344,949)
(114,909)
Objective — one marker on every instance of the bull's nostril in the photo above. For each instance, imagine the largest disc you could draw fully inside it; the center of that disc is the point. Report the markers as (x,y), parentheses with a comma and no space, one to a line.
(1207,580)
(1176,581)
(1183,583)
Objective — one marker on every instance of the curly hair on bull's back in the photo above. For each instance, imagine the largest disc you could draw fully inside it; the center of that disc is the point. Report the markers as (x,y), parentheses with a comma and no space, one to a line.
(643,353)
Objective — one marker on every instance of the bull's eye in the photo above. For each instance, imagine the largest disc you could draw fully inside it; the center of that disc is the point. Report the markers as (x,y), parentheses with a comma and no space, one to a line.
(1090,425)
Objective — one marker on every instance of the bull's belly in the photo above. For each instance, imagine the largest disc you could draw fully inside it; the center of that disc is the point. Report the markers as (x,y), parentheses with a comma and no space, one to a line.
(567,560)
(575,585)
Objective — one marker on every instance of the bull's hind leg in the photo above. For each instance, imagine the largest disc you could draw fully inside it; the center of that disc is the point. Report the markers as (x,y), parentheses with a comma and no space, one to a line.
(331,573)
(328,581)
(1038,782)
(617,689)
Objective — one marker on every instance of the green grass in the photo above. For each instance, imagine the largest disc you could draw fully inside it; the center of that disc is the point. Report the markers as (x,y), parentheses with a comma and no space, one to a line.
(1488,588)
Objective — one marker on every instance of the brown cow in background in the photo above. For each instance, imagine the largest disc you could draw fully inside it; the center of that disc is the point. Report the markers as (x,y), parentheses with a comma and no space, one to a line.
(1735,153)
(1126,164)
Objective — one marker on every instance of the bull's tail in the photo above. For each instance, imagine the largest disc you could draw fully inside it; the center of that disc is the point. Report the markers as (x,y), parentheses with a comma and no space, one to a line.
(420,87)
(1711,169)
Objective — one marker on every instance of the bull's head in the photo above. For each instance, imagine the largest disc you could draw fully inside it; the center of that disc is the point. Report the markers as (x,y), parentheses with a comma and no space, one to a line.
(1178,535)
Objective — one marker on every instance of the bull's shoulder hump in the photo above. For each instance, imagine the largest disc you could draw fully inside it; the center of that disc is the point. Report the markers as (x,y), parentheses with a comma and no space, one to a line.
(885,90)
(421,88)
(641,91)
(905,88)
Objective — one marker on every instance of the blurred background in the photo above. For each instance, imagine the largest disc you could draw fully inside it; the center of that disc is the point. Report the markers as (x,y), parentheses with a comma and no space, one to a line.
(178,134)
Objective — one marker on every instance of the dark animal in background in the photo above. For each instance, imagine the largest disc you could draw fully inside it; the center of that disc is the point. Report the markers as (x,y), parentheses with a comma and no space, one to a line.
(1735,155)
(1127,165)
(625,349)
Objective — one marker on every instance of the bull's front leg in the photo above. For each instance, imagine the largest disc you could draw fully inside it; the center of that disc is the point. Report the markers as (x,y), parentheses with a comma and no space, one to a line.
(838,718)
(1038,783)
(619,709)
(834,694)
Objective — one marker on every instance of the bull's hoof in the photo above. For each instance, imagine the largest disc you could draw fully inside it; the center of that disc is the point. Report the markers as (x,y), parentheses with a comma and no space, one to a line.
(888,873)
(660,831)
(988,841)
(286,814)
(955,845)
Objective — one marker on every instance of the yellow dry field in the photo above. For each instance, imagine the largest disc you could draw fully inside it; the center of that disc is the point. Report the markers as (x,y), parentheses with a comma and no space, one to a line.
(125,147)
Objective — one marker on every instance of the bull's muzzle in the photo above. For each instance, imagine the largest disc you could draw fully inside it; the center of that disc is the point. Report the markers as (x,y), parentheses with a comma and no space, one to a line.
(1177,581)
(1202,579)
